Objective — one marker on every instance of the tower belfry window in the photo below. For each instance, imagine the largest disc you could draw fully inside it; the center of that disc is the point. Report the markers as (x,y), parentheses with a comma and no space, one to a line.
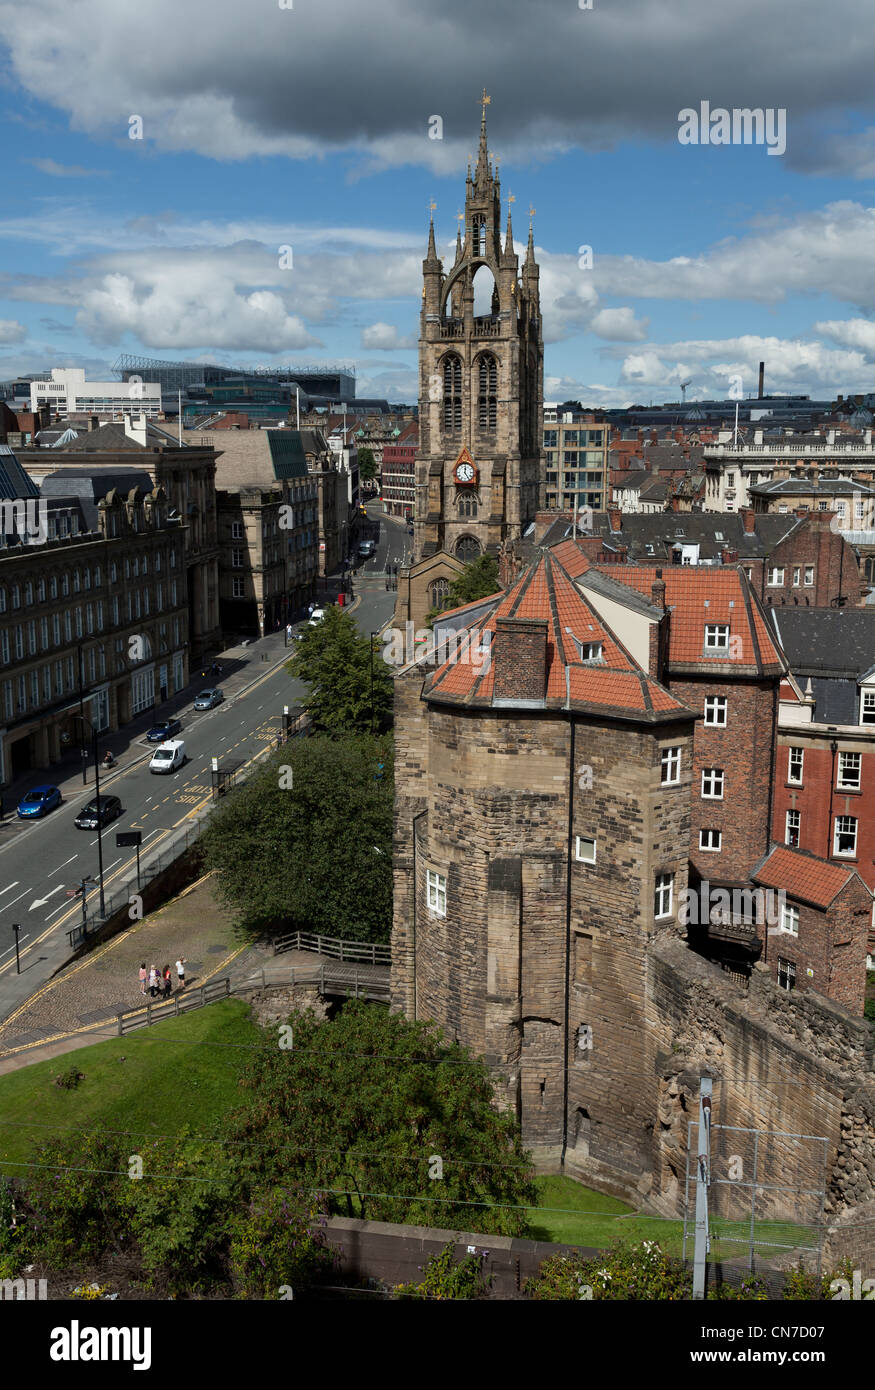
(478,233)
(452,393)
(488,391)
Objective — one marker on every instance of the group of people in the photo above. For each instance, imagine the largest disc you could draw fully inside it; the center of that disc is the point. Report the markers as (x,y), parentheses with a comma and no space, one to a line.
(160,981)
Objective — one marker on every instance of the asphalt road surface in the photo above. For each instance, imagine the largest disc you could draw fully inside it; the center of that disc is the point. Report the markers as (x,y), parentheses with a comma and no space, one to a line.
(41,860)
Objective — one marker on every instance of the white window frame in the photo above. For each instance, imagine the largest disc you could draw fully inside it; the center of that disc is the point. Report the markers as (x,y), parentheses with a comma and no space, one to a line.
(838,830)
(662,904)
(790,828)
(788,968)
(795,765)
(436,892)
(867,706)
(670,766)
(719,704)
(790,918)
(775,577)
(842,782)
(583,841)
(713,775)
(713,641)
(716,841)
(809,570)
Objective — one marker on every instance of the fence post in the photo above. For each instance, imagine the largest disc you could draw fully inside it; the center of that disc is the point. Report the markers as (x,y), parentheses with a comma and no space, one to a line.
(120,1027)
(176,1001)
(322,979)
(149,1013)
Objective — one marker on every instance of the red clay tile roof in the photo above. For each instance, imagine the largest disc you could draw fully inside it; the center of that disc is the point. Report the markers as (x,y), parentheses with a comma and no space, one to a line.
(697,594)
(615,686)
(802,876)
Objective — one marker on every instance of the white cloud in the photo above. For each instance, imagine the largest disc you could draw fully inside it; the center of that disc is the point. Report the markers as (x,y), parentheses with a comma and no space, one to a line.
(619,326)
(11,331)
(384,337)
(66,171)
(792,366)
(222,86)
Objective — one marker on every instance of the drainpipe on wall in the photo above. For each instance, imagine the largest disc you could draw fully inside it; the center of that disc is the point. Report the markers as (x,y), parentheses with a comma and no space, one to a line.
(833,748)
(568,942)
(413,919)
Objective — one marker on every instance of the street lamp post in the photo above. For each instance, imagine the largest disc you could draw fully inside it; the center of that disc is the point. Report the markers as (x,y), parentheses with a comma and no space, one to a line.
(97,798)
(16,927)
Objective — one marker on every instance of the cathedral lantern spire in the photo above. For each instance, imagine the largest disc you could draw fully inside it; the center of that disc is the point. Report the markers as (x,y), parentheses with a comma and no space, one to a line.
(483,173)
(431,254)
(508,240)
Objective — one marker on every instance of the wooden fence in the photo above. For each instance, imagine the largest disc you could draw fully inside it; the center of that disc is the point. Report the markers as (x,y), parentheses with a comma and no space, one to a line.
(361,951)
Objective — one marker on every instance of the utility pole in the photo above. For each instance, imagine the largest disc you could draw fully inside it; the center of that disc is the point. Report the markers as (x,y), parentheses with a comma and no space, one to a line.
(16,927)
(703,1181)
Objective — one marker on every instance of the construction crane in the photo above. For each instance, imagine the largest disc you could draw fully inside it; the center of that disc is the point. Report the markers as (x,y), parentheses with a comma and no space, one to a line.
(684,385)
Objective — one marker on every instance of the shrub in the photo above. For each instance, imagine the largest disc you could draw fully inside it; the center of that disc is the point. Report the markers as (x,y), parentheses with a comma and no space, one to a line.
(444,1278)
(638,1272)
(73,1199)
(280,1241)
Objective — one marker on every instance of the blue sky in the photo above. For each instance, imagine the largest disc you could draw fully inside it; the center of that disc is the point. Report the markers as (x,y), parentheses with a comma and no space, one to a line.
(307,126)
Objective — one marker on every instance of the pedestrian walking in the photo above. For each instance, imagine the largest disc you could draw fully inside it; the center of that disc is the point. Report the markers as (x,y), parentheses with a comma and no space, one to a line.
(144,975)
(168,982)
(310,607)
(153,981)
(180,972)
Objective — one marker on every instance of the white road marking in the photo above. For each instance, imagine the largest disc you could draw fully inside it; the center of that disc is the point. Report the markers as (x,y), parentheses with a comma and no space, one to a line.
(10,888)
(21,941)
(62,866)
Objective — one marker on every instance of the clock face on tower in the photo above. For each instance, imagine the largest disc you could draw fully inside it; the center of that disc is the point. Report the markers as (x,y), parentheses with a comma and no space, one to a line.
(465,473)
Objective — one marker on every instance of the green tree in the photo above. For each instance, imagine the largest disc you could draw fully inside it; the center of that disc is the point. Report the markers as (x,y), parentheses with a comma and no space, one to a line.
(477,580)
(386,1119)
(351,687)
(367,464)
(306,843)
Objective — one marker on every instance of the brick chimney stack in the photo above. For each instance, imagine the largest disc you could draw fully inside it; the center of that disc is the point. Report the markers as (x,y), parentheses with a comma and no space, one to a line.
(747,520)
(616,519)
(519,659)
(657,591)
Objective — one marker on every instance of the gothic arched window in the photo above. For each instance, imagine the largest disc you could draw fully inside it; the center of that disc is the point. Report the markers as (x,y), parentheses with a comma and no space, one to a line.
(870,569)
(487,393)
(439,592)
(452,393)
(467,505)
(478,228)
(467,549)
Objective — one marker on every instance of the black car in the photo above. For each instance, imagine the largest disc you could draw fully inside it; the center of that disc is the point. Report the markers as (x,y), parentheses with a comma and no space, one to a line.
(160,733)
(102,809)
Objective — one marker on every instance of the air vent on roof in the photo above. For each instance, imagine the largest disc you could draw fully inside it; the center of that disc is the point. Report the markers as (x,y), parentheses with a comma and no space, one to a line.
(718,535)
(679,532)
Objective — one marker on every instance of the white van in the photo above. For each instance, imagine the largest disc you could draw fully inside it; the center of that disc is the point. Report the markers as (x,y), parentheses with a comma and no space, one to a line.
(168,757)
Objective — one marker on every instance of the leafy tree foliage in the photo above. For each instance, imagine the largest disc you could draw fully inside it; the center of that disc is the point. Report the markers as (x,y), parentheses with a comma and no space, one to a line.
(444,1277)
(337,662)
(367,463)
(73,1201)
(306,843)
(388,1120)
(477,580)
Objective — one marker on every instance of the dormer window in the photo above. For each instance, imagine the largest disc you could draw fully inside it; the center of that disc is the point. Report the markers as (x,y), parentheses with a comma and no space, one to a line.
(716,638)
(867,707)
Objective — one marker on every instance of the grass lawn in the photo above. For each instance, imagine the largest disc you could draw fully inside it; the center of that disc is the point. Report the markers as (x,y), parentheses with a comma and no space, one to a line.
(586,1217)
(182,1071)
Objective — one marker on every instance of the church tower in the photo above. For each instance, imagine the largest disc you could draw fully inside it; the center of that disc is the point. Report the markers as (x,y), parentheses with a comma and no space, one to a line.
(481,375)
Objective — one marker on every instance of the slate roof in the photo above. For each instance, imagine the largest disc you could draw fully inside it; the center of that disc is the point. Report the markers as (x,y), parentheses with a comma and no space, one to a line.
(287,453)
(826,641)
(713,532)
(613,688)
(112,437)
(802,875)
(87,488)
(807,487)
(14,482)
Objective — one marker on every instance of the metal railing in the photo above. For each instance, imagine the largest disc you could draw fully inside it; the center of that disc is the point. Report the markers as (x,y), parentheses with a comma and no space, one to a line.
(350,984)
(362,951)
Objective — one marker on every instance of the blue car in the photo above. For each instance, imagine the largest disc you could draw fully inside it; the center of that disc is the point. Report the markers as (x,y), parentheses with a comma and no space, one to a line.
(38,802)
(160,733)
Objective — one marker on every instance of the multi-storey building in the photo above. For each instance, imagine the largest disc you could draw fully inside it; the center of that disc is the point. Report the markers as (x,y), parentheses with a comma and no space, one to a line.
(187,475)
(398,474)
(825,785)
(93,621)
(268,558)
(67,392)
(732,468)
(575,459)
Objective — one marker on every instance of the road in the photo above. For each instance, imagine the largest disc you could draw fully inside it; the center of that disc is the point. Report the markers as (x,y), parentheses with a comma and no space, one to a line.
(41,860)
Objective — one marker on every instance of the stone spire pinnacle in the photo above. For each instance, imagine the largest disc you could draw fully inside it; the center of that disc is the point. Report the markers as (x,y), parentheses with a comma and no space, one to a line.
(483,155)
(431,255)
(508,240)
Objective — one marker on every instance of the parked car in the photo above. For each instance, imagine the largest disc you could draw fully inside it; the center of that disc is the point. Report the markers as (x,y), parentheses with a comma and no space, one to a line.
(100,809)
(316,616)
(208,699)
(38,802)
(160,733)
(366,549)
(168,757)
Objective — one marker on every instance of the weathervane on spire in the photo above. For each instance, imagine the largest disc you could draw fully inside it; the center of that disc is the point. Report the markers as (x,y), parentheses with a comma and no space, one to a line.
(485,100)
(531,212)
